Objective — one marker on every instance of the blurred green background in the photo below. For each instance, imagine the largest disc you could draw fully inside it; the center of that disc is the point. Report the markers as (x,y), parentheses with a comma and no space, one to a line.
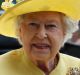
(1,3)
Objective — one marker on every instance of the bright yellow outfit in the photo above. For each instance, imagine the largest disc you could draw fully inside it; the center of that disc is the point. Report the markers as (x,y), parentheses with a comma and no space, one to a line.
(16,63)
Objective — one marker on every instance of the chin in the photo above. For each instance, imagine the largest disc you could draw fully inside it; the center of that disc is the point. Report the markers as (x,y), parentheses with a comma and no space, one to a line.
(41,57)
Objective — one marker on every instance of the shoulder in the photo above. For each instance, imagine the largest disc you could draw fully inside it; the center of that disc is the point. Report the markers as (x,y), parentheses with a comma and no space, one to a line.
(70,60)
(10,56)
(10,63)
(72,64)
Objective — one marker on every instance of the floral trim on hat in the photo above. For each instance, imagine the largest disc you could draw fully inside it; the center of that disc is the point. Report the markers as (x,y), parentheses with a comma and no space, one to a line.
(7,4)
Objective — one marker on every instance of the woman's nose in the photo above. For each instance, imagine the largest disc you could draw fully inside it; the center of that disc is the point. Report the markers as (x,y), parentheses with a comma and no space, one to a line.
(41,33)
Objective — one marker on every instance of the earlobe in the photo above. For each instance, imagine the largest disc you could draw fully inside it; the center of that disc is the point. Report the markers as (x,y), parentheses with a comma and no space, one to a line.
(64,33)
(64,30)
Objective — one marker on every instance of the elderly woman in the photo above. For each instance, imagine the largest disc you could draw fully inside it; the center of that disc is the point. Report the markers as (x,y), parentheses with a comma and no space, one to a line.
(42,29)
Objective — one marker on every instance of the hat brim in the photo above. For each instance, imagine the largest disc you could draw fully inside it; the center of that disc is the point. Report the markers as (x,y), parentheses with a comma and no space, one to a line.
(68,7)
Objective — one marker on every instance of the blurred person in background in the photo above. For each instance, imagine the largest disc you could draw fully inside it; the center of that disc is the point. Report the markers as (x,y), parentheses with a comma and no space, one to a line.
(75,37)
(72,46)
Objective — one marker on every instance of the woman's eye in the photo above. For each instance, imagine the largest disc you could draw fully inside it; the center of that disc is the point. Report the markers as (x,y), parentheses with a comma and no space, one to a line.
(35,25)
(51,26)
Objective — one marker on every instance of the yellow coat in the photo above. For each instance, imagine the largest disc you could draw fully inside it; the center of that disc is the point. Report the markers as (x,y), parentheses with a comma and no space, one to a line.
(15,63)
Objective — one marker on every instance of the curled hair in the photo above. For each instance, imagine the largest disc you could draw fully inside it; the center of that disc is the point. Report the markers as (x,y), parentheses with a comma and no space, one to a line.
(71,26)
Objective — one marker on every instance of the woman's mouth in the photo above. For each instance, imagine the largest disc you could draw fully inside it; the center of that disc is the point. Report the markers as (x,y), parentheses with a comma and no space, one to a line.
(41,46)
(40,50)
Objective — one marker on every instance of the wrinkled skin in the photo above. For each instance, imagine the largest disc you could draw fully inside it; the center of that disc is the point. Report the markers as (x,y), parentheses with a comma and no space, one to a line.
(42,35)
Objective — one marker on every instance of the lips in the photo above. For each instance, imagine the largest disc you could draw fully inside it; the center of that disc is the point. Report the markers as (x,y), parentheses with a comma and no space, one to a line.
(41,45)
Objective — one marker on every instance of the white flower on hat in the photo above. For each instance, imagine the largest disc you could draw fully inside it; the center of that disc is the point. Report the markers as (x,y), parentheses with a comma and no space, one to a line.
(7,4)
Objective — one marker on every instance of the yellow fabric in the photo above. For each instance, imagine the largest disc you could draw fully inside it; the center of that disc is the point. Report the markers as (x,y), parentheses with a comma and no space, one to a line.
(17,63)
(19,0)
(69,7)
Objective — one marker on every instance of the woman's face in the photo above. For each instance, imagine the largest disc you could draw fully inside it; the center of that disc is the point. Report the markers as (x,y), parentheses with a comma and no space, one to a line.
(42,34)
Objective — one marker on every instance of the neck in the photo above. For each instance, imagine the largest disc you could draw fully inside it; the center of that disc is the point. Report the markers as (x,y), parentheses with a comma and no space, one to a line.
(47,67)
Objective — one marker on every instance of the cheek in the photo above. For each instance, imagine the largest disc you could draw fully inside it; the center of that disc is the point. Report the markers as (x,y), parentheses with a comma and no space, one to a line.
(25,35)
(56,40)
(27,39)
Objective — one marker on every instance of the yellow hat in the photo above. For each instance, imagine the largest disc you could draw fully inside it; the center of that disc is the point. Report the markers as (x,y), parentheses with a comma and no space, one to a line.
(69,7)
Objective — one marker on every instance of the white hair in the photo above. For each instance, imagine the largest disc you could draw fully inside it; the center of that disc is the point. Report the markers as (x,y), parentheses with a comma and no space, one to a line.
(71,26)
